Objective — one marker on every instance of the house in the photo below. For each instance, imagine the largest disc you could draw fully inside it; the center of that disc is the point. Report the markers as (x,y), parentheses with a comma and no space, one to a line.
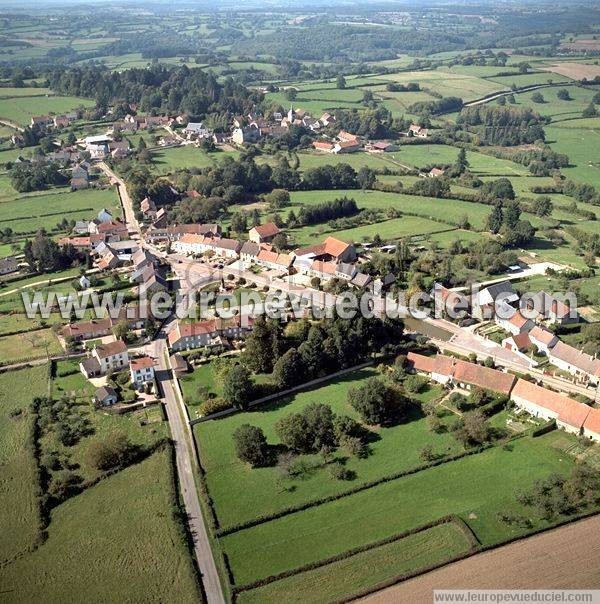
(220,137)
(513,321)
(417,131)
(570,415)
(196,130)
(323,270)
(97,146)
(40,121)
(152,282)
(330,249)
(178,364)
(518,343)
(187,336)
(435,172)
(87,330)
(141,371)
(249,252)
(8,265)
(553,310)
(346,146)
(345,271)
(246,135)
(108,261)
(105,396)
(346,136)
(448,303)
(263,233)
(574,361)
(485,301)
(104,215)
(323,146)
(327,119)
(111,356)
(175,232)
(160,220)
(439,368)
(84,282)
(381,147)
(79,183)
(591,425)
(469,375)
(148,208)
(361,280)
(274,260)
(542,339)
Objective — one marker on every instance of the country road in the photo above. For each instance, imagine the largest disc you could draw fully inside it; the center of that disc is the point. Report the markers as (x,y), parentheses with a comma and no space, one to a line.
(126,201)
(181,435)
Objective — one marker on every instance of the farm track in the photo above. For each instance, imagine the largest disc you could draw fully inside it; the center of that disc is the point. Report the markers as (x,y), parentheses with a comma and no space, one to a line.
(562,558)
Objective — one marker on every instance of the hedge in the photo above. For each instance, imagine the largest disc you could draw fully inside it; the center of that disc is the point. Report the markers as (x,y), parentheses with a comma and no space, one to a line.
(549,426)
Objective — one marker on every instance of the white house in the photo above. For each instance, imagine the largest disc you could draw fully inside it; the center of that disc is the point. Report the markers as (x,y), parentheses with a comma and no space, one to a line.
(513,321)
(196,130)
(141,371)
(113,355)
(542,339)
(570,415)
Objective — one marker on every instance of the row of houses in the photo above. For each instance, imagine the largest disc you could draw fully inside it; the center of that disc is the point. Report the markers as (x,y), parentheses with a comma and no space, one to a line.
(56,121)
(569,414)
(211,332)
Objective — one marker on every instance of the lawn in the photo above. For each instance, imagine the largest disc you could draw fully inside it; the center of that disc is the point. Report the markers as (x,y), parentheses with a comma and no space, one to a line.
(29,213)
(25,108)
(241,493)
(339,580)
(19,518)
(28,346)
(556,108)
(475,487)
(118,537)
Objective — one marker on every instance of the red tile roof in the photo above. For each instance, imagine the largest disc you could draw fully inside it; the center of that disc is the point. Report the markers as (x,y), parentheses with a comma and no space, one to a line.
(110,349)
(420,362)
(567,410)
(483,377)
(270,229)
(542,335)
(142,363)
(592,422)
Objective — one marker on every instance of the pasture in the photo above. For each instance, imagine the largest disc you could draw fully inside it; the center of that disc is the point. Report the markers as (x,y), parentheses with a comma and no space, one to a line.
(476,488)
(23,108)
(365,570)
(29,213)
(178,158)
(241,493)
(28,346)
(19,519)
(118,535)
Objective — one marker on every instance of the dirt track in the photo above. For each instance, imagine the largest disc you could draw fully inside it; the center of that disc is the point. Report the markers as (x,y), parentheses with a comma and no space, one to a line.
(565,558)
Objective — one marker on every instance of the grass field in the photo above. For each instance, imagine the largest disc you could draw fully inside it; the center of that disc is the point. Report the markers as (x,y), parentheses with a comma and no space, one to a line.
(576,138)
(29,213)
(427,207)
(28,346)
(365,570)
(475,488)
(241,493)
(556,108)
(26,107)
(19,518)
(179,158)
(118,536)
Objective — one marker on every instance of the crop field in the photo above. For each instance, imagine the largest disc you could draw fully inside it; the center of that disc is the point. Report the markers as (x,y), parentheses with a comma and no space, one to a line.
(119,536)
(576,71)
(338,580)
(29,213)
(25,108)
(241,493)
(520,80)
(474,487)
(304,100)
(19,518)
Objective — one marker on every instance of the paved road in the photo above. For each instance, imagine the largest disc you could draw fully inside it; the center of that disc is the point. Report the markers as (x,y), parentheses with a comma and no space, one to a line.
(130,219)
(181,435)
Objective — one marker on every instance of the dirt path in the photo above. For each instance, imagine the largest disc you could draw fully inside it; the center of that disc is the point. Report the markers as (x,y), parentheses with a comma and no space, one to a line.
(564,558)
